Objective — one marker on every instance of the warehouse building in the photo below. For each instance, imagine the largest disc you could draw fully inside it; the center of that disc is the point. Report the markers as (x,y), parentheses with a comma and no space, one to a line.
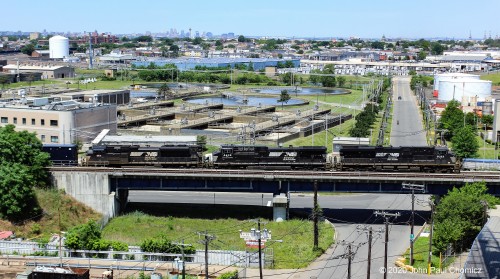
(47,71)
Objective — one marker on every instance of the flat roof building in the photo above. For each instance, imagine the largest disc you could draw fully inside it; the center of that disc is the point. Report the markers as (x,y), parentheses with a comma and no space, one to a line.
(48,71)
(61,122)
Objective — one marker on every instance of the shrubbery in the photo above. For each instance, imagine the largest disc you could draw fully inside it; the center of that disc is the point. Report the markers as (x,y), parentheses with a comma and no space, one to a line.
(163,245)
(88,237)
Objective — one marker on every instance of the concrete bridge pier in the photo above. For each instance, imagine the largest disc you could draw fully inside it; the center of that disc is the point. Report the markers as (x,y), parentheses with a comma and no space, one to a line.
(90,188)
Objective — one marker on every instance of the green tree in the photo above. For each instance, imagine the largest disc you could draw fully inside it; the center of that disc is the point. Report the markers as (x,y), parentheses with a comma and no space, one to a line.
(164,92)
(147,39)
(313,78)
(422,55)
(284,97)
(286,78)
(341,81)
(464,142)
(437,48)
(162,244)
(4,79)
(197,41)
(471,119)
(83,236)
(328,80)
(459,216)
(487,120)
(241,39)
(175,50)
(17,198)
(26,149)
(451,118)
(28,49)
(378,45)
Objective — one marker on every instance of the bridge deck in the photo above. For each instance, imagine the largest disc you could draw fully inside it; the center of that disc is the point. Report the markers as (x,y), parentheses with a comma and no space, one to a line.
(205,179)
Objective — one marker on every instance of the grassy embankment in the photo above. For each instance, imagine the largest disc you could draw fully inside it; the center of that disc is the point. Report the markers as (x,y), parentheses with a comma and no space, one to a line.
(295,250)
(61,212)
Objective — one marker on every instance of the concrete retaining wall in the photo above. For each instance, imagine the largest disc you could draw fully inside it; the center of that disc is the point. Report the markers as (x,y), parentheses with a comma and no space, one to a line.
(89,188)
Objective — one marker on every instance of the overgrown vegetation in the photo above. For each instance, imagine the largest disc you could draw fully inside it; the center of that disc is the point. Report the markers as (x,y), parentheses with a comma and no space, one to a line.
(425,81)
(294,252)
(460,128)
(364,121)
(60,212)
(22,167)
(88,237)
(460,216)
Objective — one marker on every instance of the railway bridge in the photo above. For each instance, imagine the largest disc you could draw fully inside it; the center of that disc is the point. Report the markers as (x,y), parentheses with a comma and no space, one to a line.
(106,189)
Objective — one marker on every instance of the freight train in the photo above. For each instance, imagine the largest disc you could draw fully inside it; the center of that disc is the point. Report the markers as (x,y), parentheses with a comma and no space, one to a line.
(369,158)
(404,158)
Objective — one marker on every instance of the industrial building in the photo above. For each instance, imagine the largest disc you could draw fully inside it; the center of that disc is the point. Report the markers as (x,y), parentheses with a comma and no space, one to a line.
(48,71)
(192,63)
(59,122)
(117,97)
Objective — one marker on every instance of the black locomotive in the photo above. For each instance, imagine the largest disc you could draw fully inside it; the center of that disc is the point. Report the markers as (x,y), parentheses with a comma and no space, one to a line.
(356,158)
(251,156)
(135,155)
(378,158)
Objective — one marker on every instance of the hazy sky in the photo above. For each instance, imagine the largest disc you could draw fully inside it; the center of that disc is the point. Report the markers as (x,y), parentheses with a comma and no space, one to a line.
(309,18)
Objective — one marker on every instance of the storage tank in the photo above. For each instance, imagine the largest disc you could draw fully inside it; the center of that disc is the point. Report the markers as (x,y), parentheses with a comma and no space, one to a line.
(58,47)
(446,76)
(487,108)
(459,88)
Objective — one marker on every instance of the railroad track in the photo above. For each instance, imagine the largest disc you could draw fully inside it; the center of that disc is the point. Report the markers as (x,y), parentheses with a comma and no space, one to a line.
(464,175)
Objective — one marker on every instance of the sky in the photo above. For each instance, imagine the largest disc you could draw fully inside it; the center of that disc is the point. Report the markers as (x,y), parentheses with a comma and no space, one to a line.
(274,18)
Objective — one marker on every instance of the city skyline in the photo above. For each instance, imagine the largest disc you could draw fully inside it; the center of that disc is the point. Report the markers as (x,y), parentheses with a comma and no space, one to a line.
(364,19)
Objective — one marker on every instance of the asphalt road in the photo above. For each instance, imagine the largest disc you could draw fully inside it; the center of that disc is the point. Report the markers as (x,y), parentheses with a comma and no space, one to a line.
(346,211)
(410,130)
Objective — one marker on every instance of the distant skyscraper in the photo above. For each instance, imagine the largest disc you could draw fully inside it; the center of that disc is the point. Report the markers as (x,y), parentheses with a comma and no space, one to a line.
(197,34)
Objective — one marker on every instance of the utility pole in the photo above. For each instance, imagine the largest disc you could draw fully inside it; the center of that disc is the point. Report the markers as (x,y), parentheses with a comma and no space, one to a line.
(412,187)
(429,257)
(370,240)
(350,254)
(315,215)
(207,239)
(386,216)
(183,260)
(349,260)
(260,249)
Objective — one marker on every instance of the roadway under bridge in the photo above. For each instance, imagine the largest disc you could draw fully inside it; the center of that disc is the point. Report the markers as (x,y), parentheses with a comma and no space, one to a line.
(106,189)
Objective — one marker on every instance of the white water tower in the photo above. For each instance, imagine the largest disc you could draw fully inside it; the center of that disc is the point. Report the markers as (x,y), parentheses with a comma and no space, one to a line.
(58,47)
